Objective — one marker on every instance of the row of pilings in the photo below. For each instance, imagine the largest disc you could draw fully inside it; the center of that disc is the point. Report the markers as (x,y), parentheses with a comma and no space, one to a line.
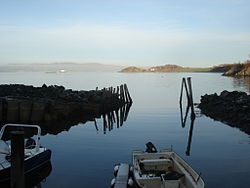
(121,91)
(51,104)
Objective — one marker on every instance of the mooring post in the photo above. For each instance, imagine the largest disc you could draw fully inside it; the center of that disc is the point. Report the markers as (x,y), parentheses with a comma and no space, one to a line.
(129,97)
(126,94)
(191,97)
(180,101)
(184,83)
(122,93)
(17,159)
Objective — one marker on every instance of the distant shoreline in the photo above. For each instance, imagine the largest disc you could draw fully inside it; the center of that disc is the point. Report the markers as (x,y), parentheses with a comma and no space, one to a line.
(239,69)
(235,70)
(60,67)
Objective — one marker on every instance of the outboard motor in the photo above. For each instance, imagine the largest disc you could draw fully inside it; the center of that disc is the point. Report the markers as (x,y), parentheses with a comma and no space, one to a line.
(150,148)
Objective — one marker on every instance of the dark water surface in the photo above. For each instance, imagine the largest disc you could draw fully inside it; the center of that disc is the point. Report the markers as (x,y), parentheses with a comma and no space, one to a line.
(84,157)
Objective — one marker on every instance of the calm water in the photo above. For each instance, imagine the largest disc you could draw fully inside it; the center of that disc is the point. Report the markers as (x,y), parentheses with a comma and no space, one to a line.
(84,157)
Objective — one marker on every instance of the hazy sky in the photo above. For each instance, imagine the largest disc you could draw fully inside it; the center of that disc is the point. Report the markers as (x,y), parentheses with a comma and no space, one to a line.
(125,32)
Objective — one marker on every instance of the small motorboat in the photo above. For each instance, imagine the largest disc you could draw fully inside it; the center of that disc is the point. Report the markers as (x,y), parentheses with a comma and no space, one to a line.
(35,155)
(164,169)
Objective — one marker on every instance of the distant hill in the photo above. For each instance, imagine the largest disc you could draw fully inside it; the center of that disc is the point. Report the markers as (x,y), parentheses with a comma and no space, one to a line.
(165,68)
(57,67)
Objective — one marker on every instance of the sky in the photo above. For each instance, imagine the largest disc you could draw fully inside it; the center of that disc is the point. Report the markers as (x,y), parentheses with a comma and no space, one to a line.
(196,33)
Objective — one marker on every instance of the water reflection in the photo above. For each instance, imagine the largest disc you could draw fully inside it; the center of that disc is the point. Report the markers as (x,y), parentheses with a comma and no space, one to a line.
(243,82)
(34,179)
(183,124)
(112,118)
(118,116)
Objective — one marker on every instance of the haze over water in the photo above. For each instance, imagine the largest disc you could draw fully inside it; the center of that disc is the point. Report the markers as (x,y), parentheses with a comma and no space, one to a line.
(84,157)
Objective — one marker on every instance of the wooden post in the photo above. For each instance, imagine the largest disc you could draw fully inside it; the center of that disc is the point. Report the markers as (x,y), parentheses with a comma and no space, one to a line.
(17,159)
(129,97)
(180,101)
(121,92)
(126,94)
(191,97)
(184,83)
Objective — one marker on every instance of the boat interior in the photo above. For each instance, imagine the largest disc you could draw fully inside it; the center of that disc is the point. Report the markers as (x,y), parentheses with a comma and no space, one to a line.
(158,170)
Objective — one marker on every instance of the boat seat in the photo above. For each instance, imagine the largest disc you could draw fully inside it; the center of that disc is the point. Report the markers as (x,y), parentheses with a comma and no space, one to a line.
(155,164)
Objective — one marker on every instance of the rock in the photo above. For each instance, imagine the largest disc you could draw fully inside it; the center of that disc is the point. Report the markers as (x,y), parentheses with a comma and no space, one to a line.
(52,104)
(230,107)
(239,70)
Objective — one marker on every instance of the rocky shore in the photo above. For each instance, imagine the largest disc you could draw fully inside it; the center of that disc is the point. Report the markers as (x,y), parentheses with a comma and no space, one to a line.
(232,108)
(57,106)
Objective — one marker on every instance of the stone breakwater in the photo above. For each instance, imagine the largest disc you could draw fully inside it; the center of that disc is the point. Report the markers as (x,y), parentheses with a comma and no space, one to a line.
(232,108)
(52,104)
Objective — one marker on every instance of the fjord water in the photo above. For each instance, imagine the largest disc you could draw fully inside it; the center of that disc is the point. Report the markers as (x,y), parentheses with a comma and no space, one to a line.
(84,156)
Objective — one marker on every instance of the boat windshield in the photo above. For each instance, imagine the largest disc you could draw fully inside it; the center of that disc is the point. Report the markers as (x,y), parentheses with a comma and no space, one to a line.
(31,134)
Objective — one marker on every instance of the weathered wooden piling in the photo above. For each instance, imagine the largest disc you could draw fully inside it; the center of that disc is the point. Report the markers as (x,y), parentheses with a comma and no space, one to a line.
(189,93)
(191,97)
(128,95)
(184,84)
(17,159)
(122,97)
